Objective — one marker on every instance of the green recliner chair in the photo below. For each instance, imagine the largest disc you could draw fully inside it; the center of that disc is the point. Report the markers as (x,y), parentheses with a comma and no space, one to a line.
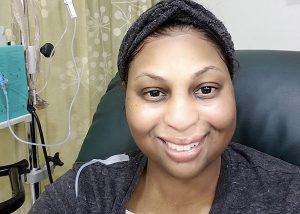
(267,88)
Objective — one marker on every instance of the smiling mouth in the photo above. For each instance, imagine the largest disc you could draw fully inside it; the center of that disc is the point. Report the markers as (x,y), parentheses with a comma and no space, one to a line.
(182,148)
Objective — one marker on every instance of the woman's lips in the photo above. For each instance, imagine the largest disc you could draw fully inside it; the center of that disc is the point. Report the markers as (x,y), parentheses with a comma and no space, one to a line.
(184,151)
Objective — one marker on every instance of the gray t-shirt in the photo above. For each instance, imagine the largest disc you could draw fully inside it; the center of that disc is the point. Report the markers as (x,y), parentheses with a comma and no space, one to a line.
(250,182)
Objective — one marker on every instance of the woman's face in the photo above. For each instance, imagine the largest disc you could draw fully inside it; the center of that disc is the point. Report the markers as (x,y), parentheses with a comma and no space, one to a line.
(180,104)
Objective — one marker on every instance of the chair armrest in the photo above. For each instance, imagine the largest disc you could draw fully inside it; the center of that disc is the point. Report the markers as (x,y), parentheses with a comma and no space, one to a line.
(18,194)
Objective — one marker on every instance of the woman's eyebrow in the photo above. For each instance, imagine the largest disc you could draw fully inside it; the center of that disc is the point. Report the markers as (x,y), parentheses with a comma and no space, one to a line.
(205,69)
(152,76)
(197,74)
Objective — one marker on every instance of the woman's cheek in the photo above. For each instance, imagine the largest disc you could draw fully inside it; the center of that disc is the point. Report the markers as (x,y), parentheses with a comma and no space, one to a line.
(220,114)
(141,116)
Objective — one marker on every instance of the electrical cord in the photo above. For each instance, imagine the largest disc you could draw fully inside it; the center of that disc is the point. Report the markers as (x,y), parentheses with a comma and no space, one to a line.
(8,120)
(32,111)
(78,80)
(3,82)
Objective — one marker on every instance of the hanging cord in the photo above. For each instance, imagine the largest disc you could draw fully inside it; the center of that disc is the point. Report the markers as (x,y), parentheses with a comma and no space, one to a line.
(31,109)
(78,80)
(48,71)
(3,82)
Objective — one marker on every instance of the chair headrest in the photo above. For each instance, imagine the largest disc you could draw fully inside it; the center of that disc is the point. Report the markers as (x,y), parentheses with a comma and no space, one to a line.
(267,89)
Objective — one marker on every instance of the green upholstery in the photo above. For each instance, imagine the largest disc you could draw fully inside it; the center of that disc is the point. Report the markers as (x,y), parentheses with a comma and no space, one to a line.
(109,133)
(267,87)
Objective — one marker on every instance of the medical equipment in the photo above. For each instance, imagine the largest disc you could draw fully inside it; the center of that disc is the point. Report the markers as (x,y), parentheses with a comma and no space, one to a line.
(31,58)
(14,104)
(12,69)
(71,8)
(7,111)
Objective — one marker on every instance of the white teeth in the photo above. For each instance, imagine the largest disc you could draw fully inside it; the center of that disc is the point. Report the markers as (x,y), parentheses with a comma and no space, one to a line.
(182,148)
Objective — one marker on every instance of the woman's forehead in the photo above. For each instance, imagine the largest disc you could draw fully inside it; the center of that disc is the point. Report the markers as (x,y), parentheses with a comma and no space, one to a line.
(181,44)
(178,51)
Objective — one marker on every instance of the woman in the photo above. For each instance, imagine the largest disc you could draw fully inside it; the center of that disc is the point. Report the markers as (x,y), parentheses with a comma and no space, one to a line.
(176,64)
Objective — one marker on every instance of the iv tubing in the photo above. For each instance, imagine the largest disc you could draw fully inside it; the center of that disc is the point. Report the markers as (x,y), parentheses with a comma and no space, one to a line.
(70,108)
(51,55)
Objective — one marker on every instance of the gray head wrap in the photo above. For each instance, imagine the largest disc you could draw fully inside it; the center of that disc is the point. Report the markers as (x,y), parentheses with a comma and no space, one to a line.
(183,11)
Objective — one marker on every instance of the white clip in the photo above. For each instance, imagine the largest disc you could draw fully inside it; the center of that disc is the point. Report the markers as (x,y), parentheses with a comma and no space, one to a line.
(32,59)
(71,8)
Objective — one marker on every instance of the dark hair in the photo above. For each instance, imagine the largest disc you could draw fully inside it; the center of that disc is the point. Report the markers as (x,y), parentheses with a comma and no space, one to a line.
(170,14)
(169,27)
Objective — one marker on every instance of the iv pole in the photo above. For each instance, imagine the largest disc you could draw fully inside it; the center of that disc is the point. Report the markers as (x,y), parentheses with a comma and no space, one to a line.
(36,172)
(32,149)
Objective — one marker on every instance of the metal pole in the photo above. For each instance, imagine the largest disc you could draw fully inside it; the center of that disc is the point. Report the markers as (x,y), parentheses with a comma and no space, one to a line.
(33,150)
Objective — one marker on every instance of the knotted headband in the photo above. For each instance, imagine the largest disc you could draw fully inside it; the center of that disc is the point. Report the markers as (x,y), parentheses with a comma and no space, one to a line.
(183,11)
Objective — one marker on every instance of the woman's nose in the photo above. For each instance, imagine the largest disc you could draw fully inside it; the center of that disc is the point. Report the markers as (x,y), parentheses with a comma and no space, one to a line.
(181,113)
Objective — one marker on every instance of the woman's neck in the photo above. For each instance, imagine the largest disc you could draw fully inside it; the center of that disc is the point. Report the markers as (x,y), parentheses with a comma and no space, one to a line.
(158,191)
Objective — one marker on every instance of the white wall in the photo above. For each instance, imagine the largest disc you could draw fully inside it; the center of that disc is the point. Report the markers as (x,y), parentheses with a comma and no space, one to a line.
(260,24)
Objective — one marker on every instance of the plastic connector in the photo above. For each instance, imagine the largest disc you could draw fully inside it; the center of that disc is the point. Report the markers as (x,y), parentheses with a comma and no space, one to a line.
(3,81)
(32,59)
(71,8)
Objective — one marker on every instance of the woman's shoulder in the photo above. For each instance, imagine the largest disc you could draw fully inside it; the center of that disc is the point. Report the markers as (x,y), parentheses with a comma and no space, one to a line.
(87,183)
(121,164)
(244,156)
(254,182)
(118,162)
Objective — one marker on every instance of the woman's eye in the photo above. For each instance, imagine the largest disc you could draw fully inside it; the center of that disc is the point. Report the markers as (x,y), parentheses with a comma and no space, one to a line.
(154,95)
(206,91)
